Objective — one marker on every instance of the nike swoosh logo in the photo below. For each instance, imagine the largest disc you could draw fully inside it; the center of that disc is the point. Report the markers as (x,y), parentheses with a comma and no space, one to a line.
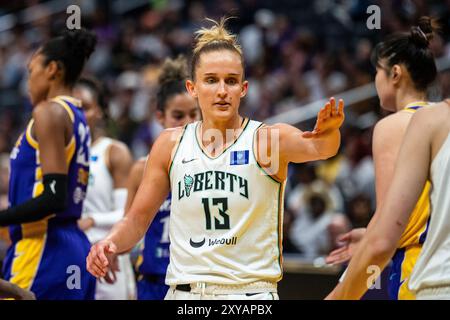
(184,161)
(197,244)
(52,186)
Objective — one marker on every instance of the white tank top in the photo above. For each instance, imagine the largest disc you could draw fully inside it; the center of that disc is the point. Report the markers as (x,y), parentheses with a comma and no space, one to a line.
(226,219)
(99,196)
(433,266)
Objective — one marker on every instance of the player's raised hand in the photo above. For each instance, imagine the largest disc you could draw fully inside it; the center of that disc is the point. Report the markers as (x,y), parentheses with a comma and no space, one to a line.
(100,258)
(348,241)
(329,118)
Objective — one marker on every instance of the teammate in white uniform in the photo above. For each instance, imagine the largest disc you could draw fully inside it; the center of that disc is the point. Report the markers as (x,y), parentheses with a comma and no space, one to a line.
(227,195)
(424,155)
(110,163)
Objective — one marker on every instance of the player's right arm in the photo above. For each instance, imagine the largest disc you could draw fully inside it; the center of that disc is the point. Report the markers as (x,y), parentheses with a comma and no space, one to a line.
(151,194)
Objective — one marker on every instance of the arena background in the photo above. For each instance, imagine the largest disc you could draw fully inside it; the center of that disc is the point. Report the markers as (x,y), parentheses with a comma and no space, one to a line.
(297,54)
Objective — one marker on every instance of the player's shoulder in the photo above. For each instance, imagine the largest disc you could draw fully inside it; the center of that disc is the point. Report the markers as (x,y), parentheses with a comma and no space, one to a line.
(170,136)
(439,109)
(119,147)
(266,131)
(392,126)
(433,117)
(48,110)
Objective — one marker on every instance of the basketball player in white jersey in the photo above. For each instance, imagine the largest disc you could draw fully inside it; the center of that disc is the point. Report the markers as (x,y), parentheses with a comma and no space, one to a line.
(227,196)
(174,108)
(110,163)
(424,155)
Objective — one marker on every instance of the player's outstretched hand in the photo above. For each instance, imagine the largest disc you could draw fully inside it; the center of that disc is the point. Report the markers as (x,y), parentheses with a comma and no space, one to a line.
(348,241)
(99,260)
(329,118)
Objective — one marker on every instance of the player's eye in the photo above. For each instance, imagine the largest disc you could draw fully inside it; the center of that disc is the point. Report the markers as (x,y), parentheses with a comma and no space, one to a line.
(232,81)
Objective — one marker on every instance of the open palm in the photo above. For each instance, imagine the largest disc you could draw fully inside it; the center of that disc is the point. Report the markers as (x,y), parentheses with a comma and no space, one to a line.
(329,118)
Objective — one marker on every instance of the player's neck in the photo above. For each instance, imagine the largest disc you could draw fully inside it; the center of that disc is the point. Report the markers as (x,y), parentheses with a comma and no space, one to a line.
(229,131)
(58,91)
(223,126)
(409,96)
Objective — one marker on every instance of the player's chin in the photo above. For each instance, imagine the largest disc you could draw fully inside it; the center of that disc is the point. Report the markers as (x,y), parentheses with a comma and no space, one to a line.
(224,113)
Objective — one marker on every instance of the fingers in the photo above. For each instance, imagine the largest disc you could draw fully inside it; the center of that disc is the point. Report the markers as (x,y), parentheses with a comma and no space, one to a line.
(97,262)
(331,105)
(111,248)
(342,258)
(341,107)
(94,269)
(100,254)
(308,134)
(327,110)
(110,277)
(337,257)
(334,110)
(344,237)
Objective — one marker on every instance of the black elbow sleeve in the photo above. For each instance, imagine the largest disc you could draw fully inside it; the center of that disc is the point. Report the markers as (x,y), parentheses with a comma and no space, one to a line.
(51,200)
(55,192)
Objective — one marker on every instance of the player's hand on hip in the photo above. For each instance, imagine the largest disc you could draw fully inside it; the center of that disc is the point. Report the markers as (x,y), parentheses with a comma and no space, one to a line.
(329,118)
(348,242)
(99,259)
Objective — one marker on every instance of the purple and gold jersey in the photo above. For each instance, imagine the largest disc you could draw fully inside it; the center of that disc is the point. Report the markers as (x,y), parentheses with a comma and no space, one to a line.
(44,253)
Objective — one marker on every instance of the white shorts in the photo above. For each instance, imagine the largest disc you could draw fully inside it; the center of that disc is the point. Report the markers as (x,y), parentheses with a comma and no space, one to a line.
(436,293)
(202,291)
(125,286)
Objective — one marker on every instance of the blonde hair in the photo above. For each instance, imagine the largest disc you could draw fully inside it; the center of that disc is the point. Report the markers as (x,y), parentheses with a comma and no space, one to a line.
(214,39)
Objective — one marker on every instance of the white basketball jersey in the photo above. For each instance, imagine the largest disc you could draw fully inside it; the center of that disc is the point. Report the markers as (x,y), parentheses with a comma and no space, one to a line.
(99,197)
(226,219)
(433,266)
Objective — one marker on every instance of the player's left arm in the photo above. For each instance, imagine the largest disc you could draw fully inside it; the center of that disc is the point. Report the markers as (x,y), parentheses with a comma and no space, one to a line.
(120,162)
(321,143)
(380,241)
(51,126)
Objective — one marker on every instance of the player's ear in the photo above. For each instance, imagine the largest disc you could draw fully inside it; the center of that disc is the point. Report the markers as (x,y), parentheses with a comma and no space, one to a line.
(51,70)
(244,89)
(396,73)
(190,87)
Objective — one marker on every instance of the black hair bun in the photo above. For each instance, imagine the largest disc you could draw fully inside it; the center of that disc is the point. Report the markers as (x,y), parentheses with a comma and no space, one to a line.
(422,34)
(81,41)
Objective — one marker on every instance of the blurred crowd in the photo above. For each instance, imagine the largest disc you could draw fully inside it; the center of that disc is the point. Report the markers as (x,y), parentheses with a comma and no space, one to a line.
(296,52)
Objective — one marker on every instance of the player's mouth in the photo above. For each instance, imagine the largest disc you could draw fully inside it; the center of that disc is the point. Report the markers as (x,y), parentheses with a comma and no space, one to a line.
(222,105)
